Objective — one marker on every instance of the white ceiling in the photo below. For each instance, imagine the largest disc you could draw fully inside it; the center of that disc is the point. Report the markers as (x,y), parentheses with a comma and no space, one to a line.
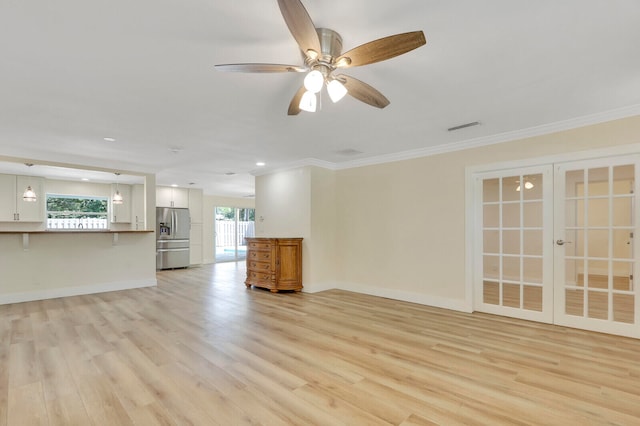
(74,71)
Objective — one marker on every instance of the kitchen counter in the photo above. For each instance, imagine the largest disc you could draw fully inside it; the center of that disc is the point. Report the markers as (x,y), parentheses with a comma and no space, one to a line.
(114,234)
(81,231)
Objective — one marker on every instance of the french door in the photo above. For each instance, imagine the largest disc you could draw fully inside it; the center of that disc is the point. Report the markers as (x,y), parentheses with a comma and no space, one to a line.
(555,244)
(595,259)
(514,262)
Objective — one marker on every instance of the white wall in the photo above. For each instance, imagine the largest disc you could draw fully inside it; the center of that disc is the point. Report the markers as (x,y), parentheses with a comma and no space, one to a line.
(322,243)
(283,208)
(400,227)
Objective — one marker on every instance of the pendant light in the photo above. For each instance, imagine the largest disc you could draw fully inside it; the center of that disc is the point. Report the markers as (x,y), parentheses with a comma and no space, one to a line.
(29,194)
(117,197)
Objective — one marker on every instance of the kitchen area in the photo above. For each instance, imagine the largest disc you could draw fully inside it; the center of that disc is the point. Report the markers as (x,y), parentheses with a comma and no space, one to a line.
(48,254)
(40,259)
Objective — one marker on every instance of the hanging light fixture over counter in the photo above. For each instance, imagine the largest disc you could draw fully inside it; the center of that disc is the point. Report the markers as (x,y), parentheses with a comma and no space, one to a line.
(29,194)
(117,197)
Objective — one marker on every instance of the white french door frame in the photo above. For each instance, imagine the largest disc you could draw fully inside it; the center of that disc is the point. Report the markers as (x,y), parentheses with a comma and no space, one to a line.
(473,228)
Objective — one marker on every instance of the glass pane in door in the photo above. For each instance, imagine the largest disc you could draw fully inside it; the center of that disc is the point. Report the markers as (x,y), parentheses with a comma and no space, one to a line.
(246,228)
(225,234)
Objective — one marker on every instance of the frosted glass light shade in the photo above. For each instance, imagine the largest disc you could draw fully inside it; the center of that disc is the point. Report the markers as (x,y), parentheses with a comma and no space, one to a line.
(308,102)
(336,90)
(313,81)
(117,198)
(29,195)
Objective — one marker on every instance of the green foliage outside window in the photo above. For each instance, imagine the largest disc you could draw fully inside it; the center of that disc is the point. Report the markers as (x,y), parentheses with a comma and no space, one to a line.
(76,207)
(228,213)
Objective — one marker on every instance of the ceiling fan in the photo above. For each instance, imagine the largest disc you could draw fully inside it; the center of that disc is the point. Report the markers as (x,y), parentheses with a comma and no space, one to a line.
(322,52)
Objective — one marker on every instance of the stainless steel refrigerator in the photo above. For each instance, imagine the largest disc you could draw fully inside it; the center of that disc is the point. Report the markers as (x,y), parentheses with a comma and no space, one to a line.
(172,232)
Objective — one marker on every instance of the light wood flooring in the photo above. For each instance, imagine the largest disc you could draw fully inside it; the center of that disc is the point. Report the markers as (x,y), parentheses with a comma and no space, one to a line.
(200,349)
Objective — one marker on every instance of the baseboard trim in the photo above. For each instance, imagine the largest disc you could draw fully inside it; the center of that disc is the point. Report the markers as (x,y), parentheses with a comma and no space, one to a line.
(318,287)
(389,293)
(55,293)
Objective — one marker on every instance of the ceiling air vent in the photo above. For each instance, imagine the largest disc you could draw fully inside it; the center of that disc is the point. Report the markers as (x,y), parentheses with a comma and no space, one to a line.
(463,126)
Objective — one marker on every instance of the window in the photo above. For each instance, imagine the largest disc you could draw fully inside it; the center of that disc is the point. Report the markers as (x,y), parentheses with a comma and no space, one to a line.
(77,212)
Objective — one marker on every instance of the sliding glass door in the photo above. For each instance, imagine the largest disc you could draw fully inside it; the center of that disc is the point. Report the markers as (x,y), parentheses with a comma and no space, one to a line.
(232,225)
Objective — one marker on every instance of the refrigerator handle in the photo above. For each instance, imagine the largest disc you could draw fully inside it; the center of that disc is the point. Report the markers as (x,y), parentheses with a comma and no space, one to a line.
(174,223)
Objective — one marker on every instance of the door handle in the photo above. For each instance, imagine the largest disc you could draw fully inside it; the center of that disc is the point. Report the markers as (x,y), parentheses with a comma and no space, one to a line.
(563,242)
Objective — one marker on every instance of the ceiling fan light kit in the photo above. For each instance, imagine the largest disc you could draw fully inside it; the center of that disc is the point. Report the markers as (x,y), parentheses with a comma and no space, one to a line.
(308,102)
(336,90)
(322,52)
(313,81)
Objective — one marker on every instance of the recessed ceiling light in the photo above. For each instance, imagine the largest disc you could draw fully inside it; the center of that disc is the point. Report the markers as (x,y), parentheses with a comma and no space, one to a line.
(110,139)
(261,164)
(85,179)
(174,185)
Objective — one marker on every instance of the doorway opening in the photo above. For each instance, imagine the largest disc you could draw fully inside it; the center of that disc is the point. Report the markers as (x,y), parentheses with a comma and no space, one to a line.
(232,226)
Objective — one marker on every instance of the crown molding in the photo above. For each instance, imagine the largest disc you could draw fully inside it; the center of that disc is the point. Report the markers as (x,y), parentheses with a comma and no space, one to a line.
(559,126)
(544,129)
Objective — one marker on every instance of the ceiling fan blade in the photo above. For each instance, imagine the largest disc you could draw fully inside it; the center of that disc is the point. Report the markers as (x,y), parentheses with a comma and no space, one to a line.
(381,49)
(363,92)
(263,68)
(300,25)
(294,106)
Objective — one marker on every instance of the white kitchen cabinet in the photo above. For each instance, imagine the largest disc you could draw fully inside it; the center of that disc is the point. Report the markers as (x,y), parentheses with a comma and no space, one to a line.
(168,196)
(195,205)
(12,206)
(195,244)
(121,213)
(137,207)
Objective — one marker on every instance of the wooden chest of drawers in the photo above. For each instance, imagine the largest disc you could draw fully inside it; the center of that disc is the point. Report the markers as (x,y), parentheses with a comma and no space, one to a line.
(274,263)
